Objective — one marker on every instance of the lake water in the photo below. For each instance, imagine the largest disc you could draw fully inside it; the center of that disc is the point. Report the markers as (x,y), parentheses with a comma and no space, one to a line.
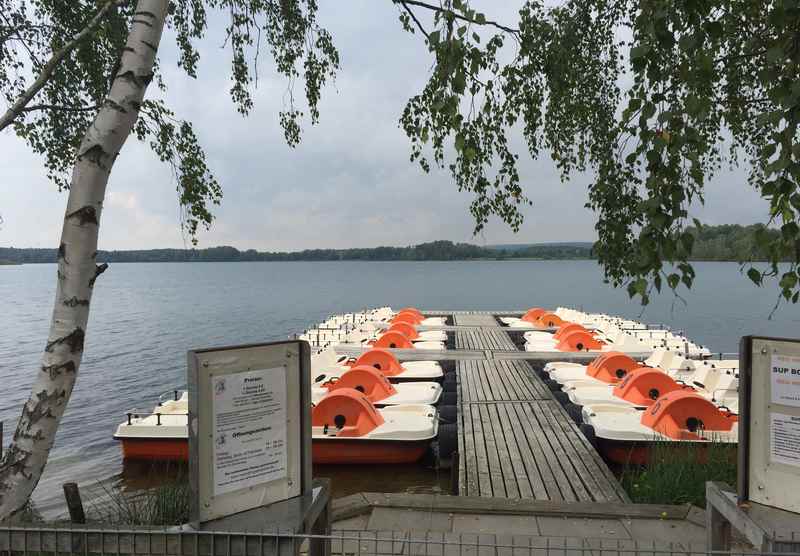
(146,316)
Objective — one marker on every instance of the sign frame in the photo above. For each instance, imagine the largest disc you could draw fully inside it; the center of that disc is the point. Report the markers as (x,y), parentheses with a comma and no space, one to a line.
(203,366)
(763,474)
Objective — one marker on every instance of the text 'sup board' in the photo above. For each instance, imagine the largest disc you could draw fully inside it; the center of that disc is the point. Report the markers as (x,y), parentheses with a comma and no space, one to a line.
(769,430)
(249,432)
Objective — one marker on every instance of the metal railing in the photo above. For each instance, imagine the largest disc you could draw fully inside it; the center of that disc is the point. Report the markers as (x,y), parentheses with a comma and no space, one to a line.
(60,541)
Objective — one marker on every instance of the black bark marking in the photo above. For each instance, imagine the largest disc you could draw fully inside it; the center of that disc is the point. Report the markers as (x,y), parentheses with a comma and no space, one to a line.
(94,154)
(150,45)
(98,270)
(15,461)
(109,103)
(128,49)
(62,253)
(58,369)
(75,302)
(85,215)
(135,105)
(137,80)
(145,13)
(143,22)
(60,275)
(73,340)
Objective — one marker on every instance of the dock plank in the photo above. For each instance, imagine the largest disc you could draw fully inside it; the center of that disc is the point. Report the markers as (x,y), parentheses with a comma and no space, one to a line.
(515,441)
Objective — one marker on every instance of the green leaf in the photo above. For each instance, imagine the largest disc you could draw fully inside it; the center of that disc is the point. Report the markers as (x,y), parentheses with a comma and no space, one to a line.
(788,281)
(640,51)
(774,54)
(755,276)
(459,143)
(459,82)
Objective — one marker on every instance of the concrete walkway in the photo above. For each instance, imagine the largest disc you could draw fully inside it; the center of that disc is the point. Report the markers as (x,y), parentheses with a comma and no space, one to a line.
(377,523)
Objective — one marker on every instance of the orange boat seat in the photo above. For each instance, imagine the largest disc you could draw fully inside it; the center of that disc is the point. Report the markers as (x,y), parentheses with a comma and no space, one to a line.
(644,385)
(393,339)
(367,380)
(684,415)
(406,329)
(381,360)
(611,367)
(346,411)
(532,315)
(578,340)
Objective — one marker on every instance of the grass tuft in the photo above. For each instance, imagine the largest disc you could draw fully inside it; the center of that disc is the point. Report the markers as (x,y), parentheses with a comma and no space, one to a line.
(166,504)
(677,472)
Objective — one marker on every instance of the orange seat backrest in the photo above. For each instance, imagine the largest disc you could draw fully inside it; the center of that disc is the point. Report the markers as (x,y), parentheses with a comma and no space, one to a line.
(381,360)
(644,385)
(566,328)
(548,320)
(393,339)
(348,411)
(365,379)
(413,311)
(611,367)
(533,314)
(578,340)
(406,329)
(684,415)
(410,318)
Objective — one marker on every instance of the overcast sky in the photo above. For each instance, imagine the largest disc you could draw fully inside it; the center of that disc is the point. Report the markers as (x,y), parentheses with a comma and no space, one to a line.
(348,184)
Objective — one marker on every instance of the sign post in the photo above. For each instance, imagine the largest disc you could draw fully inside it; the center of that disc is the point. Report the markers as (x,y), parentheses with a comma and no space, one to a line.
(250,438)
(766,506)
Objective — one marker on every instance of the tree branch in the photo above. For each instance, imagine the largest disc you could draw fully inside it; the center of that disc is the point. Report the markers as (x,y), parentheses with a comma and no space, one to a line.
(62,108)
(47,70)
(439,9)
(414,17)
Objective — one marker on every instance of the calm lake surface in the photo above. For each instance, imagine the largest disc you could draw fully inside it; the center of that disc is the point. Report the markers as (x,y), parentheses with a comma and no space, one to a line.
(145,316)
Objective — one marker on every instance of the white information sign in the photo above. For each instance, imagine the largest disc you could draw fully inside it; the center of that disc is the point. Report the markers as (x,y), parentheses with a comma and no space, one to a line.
(249,429)
(785,377)
(785,441)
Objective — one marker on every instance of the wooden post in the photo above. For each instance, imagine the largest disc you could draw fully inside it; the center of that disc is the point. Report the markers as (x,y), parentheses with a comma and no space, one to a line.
(74,503)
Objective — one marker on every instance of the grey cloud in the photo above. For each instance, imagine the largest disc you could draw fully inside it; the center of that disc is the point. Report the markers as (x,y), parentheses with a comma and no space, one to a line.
(349,183)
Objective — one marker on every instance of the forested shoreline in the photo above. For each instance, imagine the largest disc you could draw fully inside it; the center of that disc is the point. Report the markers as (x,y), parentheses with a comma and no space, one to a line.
(713,243)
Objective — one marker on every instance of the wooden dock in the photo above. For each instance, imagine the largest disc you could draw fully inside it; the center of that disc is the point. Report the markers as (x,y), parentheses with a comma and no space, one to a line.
(514,439)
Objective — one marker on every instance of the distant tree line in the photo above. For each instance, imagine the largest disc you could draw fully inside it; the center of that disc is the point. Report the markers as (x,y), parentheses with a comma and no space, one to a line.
(712,243)
(432,251)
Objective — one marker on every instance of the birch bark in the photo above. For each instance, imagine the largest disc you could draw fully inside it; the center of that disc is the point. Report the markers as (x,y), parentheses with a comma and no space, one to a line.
(26,457)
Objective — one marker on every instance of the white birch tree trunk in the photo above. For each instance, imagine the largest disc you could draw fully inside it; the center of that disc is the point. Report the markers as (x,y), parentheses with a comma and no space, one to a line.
(26,457)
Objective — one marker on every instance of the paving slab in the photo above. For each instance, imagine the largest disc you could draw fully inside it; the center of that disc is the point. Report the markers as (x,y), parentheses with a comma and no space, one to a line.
(497,524)
(357,523)
(392,519)
(669,531)
(582,527)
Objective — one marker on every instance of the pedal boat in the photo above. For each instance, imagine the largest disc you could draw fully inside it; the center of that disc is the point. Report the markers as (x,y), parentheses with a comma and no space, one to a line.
(414,316)
(376,387)
(347,429)
(627,435)
(393,339)
(159,436)
(609,368)
(410,332)
(643,385)
(385,362)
